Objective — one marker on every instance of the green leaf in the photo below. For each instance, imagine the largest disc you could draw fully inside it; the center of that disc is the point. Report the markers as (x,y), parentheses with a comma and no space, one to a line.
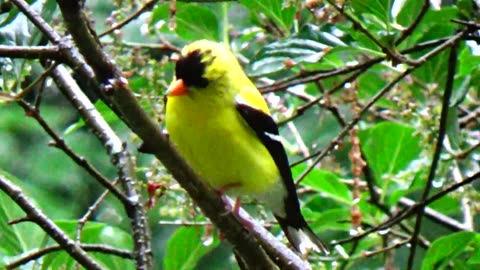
(103,109)
(17,238)
(389,148)
(193,21)
(92,233)
(197,22)
(408,11)
(379,8)
(431,28)
(186,247)
(327,183)
(309,46)
(333,219)
(447,248)
(273,9)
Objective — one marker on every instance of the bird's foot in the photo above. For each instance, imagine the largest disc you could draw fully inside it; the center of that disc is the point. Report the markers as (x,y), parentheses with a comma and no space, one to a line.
(236,212)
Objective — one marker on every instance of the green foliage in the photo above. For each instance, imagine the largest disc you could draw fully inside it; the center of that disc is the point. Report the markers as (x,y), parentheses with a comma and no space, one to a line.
(19,238)
(453,249)
(186,247)
(326,183)
(192,21)
(391,150)
(92,233)
(281,15)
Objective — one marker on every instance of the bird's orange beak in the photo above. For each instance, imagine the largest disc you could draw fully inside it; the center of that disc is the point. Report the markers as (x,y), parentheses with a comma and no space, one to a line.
(177,88)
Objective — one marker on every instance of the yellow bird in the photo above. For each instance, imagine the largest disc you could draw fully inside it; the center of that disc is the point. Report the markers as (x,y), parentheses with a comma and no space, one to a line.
(221,125)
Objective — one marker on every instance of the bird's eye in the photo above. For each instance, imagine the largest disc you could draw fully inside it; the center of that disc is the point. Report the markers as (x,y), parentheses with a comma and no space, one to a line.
(191,70)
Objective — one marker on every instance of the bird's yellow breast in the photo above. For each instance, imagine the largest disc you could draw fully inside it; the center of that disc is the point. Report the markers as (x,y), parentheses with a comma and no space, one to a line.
(219,145)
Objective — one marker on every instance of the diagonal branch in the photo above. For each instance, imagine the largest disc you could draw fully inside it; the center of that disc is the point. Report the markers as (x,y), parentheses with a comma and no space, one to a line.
(122,100)
(28,257)
(452,63)
(36,215)
(418,19)
(120,158)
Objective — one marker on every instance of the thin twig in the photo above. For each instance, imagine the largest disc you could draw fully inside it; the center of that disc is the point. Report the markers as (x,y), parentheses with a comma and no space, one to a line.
(146,7)
(37,216)
(60,144)
(31,52)
(382,250)
(36,254)
(418,19)
(397,58)
(408,212)
(445,44)
(452,63)
(315,75)
(119,158)
(352,123)
(83,220)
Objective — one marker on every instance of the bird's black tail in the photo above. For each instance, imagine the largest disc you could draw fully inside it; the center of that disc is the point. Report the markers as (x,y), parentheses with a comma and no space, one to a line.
(300,235)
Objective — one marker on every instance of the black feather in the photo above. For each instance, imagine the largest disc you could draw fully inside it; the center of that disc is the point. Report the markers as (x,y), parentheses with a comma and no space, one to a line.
(262,123)
(191,70)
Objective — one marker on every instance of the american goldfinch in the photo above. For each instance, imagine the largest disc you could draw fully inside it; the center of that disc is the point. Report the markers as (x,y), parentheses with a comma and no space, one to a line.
(221,125)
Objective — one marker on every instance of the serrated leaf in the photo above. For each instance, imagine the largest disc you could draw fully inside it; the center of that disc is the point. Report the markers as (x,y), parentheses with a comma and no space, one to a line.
(379,8)
(326,182)
(389,148)
(192,21)
(447,248)
(309,46)
(18,238)
(185,248)
(274,10)
(197,22)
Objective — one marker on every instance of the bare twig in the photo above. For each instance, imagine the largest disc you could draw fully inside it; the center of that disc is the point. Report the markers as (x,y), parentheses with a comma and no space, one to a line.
(418,19)
(320,155)
(436,216)
(119,158)
(60,144)
(408,212)
(30,256)
(452,63)
(37,216)
(31,52)
(315,75)
(382,250)
(147,6)
(391,54)
(83,220)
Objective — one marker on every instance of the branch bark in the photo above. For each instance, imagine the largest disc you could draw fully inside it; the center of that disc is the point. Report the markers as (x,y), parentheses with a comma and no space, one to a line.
(38,217)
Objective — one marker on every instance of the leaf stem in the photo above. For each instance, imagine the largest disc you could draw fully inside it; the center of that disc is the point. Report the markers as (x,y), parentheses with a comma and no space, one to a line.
(225,38)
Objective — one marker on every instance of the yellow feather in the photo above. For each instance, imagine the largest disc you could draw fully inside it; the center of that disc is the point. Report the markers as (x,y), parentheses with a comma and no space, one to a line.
(209,132)
(213,136)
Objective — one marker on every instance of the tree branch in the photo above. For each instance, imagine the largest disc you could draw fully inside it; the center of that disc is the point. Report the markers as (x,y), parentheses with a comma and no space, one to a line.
(452,64)
(36,254)
(123,101)
(38,217)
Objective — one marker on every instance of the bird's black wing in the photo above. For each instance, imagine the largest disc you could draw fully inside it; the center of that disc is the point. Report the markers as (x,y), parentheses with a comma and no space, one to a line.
(267,131)
(292,222)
